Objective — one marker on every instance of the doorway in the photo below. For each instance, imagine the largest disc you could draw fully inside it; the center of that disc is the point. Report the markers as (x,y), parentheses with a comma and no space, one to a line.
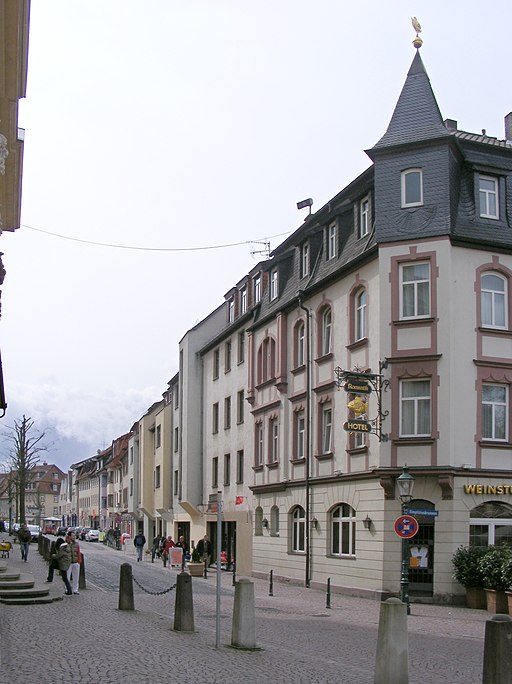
(228,542)
(421,549)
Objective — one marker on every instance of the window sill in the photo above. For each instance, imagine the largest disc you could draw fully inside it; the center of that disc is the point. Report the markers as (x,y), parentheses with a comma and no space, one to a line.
(296,461)
(324,357)
(357,344)
(265,383)
(488,444)
(299,369)
(355,451)
(274,464)
(494,331)
(413,441)
(414,321)
(257,468)
(343,556)
(325,456)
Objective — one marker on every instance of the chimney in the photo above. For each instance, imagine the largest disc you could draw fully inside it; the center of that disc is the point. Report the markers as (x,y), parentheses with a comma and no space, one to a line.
(450,124)
(508,127)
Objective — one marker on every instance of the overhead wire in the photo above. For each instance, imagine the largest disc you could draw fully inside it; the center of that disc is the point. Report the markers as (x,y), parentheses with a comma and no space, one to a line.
(153,249)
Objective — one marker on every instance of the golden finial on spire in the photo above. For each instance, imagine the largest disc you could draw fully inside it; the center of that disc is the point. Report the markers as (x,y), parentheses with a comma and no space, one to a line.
(417,42)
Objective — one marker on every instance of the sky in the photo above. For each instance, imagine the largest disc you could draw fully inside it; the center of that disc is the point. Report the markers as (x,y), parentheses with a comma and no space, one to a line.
(171,126)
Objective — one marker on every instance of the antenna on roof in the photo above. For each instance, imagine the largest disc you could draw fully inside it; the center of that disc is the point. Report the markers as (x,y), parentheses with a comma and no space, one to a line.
(305,203)
(265,251)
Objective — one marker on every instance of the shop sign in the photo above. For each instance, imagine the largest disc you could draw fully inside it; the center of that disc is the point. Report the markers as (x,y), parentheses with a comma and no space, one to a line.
(487,489)
(357,426)
(355,386)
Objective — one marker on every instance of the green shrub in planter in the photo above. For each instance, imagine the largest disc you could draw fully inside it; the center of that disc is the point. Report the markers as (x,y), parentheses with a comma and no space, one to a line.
(506,573)
(491,566)
(466,566)
(196,558)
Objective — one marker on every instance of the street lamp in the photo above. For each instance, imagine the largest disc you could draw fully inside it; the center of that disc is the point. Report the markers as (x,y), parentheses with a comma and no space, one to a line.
(405,483)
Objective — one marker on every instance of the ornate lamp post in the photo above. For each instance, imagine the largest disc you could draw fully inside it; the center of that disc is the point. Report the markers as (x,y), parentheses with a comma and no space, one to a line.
(405,484)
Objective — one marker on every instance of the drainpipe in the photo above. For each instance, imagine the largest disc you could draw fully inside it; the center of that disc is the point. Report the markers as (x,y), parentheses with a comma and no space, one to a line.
(300,296)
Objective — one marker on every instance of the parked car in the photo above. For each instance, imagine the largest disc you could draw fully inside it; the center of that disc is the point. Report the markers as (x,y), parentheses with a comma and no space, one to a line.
(35,531)
(82,531)
(92,535)
(15,528)
(61,531)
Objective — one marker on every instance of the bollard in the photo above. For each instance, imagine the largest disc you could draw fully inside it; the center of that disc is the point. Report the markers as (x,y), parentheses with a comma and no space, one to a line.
(392,660)
(328,599)
(234,574)
(81,575)
(184,606)
(497,651)
(126,587)
(271,584)
(243,632)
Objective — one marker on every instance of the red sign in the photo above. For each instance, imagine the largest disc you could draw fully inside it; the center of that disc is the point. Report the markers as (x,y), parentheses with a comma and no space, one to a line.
(406,526)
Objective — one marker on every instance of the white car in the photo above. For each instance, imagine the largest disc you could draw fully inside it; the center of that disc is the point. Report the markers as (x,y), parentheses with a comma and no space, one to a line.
(35,531)
(92,535)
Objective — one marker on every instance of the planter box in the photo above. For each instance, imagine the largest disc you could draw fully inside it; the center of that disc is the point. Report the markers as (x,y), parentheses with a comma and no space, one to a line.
(496,601)
(476,598)
(195,569)
(509,599)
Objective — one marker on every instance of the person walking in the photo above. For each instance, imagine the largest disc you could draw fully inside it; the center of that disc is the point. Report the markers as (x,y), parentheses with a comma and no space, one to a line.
(182,544)
(24,538)
(76,558)
(139,542)
(54,563)
(204,548)
(155,548)
(168,545)
(63,560)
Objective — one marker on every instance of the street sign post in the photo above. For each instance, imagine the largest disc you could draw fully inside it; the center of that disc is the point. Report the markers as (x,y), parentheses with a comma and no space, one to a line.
(406,526)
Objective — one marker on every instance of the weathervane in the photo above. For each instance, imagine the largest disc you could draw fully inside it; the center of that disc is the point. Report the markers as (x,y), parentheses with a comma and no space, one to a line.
(417,42)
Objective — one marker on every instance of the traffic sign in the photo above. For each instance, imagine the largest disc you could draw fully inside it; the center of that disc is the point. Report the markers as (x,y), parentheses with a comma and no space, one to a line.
(406,526)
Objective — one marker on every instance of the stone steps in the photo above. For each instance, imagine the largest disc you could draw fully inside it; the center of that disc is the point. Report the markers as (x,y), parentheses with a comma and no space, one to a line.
(19,588)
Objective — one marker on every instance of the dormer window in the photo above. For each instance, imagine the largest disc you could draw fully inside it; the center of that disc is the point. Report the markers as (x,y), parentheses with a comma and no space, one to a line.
(243,300)
(304,260)
(364,217)
(488,192)
(257,288)
(412,188)
(331,241)
(274,284)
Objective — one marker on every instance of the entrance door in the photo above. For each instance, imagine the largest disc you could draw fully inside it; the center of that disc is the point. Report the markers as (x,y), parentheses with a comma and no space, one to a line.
(421,551)
(228,542)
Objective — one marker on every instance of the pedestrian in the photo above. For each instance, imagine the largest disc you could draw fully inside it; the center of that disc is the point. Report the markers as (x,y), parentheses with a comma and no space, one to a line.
(168,544)
(63,559)
(204,548)
(155,548)
(54,563)
(139,542)
(76,558)
(24,538)
(182,544)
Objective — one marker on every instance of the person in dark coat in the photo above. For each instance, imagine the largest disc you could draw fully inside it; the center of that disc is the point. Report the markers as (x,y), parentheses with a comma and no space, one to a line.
(24,537)
(204,548)
(54,564)
(139,542)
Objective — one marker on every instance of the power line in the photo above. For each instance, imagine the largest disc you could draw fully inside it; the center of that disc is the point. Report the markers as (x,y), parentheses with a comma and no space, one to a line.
(152,249)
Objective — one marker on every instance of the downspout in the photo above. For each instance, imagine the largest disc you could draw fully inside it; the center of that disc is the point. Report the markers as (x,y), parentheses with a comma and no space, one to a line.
(300,295)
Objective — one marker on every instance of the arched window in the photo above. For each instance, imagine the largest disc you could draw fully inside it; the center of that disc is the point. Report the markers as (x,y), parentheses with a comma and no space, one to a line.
(258,521)
(298,530)
(326,331)
(493,287)
(274,521)
(360,315)
(491,523)
(267,360)
(412,188)
(343,530)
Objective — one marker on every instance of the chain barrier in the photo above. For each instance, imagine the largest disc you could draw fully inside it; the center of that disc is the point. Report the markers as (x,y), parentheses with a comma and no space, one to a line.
(153,593)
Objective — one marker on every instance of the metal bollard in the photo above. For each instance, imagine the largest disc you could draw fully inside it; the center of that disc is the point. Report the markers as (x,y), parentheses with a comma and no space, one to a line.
(328,601)
(271,584)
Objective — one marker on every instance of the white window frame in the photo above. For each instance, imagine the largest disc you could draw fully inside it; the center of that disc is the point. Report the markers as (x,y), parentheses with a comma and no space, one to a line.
(495,407)
(274,284)
(326,429)
(498,301)
(300,341)
(273,455)
(326,331)
(231,310)
(301,435)
(485,198)
(364,216)
(331,240)
(343,525)
(243,300)
(258,444)
(257,288)
(360,315)
(419,403)
(305,260)
(414,285)
(405,174)
(298,529)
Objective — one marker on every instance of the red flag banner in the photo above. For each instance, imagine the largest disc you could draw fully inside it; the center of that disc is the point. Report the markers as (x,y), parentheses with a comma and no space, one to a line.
(239,500)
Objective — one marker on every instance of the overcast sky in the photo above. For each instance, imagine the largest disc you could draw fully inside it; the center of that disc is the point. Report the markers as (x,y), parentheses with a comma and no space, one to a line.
(187,124)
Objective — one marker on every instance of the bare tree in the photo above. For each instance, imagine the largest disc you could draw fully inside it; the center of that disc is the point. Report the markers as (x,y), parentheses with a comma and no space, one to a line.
(26,443)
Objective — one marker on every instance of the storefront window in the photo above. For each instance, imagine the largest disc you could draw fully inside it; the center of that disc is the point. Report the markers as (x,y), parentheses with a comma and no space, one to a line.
(491,524)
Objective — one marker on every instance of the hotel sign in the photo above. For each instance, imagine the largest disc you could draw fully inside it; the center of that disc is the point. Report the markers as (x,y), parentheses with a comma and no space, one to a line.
(357,426)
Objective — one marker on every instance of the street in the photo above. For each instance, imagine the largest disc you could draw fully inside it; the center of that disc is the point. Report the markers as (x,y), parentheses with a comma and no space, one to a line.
(86,638)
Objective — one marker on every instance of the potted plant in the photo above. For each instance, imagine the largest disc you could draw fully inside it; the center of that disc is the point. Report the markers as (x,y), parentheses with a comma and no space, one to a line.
(195,565)
(506,575)
(491,566)
(466,571)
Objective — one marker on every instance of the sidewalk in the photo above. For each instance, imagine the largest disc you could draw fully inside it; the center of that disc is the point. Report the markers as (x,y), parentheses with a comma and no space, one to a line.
(86,639)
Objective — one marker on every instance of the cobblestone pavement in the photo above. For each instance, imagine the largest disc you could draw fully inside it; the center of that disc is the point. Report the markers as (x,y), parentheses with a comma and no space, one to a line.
(87,639)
